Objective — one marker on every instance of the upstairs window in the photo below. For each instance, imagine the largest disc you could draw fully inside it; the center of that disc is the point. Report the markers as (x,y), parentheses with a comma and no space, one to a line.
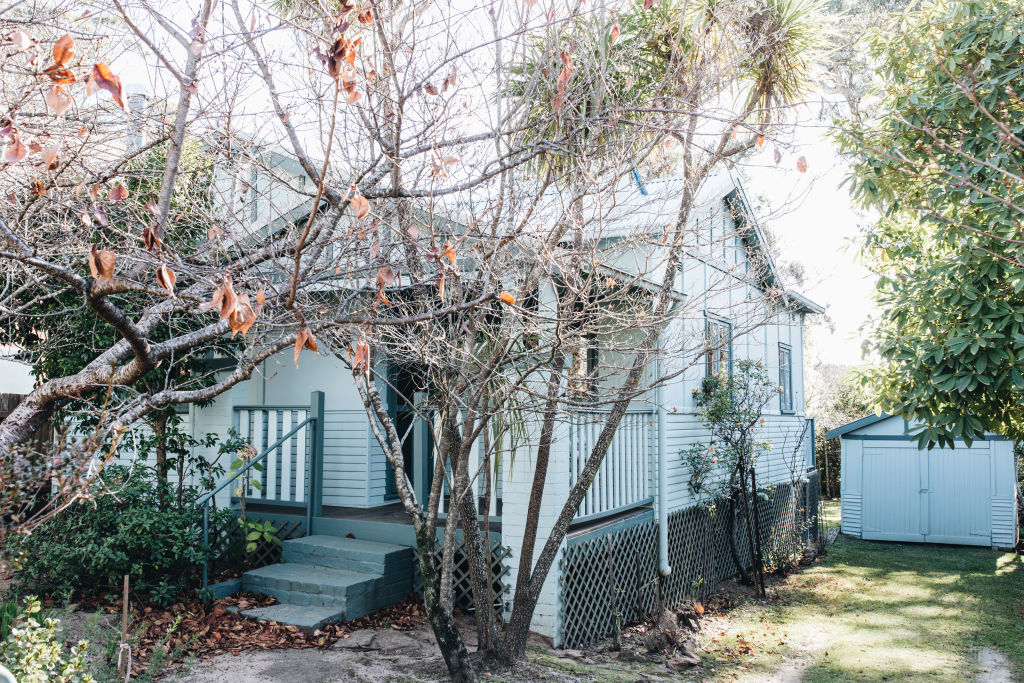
(719,337)
(785,379)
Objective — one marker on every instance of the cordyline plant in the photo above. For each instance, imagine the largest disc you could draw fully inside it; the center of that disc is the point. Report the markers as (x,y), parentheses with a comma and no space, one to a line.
(732,405)
(943,163)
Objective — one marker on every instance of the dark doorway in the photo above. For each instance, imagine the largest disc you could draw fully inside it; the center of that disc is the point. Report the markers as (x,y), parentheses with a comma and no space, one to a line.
(408,384)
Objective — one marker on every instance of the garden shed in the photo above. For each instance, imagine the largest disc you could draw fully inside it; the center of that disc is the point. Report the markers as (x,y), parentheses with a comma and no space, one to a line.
(893,491)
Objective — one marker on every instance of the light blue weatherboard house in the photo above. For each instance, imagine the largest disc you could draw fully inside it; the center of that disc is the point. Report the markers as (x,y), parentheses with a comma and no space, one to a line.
(328,485)
(893,491)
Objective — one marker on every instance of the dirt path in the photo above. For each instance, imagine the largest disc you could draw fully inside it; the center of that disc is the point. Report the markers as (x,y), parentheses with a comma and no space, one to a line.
(793,669)
(369,656)
(994,667)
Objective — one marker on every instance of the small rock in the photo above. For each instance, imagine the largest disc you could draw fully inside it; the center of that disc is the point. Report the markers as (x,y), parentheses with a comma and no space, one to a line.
(681,662)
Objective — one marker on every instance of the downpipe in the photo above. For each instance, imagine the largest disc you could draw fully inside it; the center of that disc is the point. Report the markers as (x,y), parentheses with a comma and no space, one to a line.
(663,566)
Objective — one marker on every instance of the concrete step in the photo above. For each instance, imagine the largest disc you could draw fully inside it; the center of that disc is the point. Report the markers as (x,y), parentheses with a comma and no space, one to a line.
(330,578)
(307,618)
(350,554)
(352,593)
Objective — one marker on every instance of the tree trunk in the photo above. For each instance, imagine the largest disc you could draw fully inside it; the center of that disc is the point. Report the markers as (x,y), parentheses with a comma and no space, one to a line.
(477,556)
(158,424)
(442,622)
(733,550)
(479,576)
(758,556)
(758,585)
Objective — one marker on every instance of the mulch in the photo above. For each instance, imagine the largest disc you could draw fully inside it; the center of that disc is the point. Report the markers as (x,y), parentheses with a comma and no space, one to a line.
(207,629)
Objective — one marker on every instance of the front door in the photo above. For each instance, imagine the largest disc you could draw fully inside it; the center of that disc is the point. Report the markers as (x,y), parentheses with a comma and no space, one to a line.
(408,387)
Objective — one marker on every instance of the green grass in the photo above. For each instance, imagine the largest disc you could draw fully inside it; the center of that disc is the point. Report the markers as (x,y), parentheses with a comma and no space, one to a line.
(880,611)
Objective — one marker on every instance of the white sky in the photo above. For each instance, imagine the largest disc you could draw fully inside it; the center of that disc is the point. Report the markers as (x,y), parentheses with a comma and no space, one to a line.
(818,226)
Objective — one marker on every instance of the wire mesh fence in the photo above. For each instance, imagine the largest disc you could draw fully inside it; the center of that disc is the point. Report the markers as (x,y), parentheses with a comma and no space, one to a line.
(613,579)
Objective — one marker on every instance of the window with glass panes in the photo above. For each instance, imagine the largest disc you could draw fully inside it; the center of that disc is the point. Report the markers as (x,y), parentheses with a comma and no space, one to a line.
(785,379)
(719,335)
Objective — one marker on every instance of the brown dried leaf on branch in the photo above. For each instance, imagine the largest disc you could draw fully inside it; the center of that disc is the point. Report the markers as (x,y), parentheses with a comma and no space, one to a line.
(166,278)
(103,78)
(224,298)
(304,340)
(563,80)
(118,193)
(63,50)
(243,317)
(50,155)
(361,359)
(20,40)
(16,150)
(342,51)
(360,206)
(58,100)
(151,238)
(102,263)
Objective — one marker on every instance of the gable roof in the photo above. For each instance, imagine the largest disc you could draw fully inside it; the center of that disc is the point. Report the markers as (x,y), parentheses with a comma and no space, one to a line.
(856,424)
(737,199)
(643,205)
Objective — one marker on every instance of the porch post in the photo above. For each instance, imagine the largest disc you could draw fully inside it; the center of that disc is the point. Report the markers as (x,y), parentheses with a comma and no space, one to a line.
(314,506)
(421,469)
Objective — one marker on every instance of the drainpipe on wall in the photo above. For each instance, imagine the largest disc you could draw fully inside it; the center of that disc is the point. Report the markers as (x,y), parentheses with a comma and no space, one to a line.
(663,566)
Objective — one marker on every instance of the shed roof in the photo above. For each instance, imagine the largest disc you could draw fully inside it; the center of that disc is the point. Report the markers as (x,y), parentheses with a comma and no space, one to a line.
(856,424)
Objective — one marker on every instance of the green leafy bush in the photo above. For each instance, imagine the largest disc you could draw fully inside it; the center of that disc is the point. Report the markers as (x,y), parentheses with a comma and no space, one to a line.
(33,652)
(8,614)
(87,549)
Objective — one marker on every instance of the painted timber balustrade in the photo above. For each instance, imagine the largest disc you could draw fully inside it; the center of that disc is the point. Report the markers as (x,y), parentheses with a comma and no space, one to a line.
(624,479)
(289,446)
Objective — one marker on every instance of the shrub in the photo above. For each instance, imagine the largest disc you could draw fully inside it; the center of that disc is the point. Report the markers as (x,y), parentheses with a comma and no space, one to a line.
(8,614)
(88,548)
(34,654)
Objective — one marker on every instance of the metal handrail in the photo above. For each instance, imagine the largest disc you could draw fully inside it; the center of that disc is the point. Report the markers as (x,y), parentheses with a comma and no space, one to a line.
(205,500)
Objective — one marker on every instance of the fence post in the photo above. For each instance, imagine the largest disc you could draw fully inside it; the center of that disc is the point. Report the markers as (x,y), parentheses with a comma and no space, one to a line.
(314,501)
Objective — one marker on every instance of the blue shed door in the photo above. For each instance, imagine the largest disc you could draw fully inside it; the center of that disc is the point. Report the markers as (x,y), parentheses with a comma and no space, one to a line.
(938,496)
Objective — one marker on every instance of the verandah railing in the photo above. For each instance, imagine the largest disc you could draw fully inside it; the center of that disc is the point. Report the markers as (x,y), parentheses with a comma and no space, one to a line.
(623,480)
(291,465)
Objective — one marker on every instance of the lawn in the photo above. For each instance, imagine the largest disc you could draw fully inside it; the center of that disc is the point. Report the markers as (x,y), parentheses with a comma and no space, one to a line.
(878,611)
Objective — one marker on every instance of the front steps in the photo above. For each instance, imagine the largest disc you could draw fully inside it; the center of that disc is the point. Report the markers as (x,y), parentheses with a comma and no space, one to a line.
(329,578)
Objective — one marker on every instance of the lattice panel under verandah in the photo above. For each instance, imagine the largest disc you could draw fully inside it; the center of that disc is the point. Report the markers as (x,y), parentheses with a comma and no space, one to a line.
(461,585)
(613,579)
(608,581)
(227,539)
